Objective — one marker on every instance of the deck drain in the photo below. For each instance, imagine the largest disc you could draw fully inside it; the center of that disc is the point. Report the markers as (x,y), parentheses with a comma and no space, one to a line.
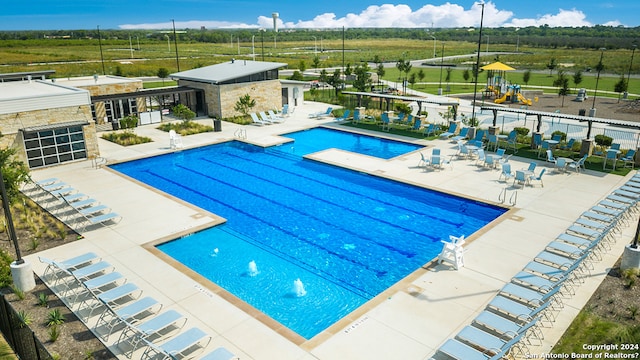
(414,290)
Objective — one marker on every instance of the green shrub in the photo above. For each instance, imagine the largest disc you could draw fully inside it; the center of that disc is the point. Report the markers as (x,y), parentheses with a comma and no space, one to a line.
(54,333)
(603,140)
(522,131)
(5,269)
(403,108)
(129,122)
(43,299)
(55,317)
(126,138)
(25,318)
(185,128)
(558,132)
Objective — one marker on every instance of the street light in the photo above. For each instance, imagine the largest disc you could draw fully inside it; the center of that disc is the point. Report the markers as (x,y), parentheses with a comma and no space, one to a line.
(477,72)
(435,54)
(262,33)
(630,65)
(599,67)
(253,47)
(441,63)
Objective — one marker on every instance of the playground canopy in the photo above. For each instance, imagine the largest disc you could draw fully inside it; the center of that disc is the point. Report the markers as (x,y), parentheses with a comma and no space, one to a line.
(497,66)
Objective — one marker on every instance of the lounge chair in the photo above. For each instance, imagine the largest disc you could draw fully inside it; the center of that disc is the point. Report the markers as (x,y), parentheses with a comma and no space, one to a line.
(568,145)
(157,328)
(275,117)
(506,327)
(345,116)
(175,140)
(219,354)
(181,346)
(74,263)
(462,135)
(453,127)
(416,124)
(258,121)
(629,158)
(322,114)
(492,343)
(130,313)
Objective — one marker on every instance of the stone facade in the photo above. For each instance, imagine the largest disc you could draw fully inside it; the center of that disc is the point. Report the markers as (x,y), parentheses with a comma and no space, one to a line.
(221,99)
(12,123)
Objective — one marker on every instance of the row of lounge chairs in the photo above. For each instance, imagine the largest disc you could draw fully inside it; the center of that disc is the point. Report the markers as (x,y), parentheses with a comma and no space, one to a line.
(88,284)
(266,119)
(514,317)
(72,207)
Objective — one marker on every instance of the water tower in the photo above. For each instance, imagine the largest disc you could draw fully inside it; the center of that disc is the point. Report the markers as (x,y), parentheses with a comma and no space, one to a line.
(275,21)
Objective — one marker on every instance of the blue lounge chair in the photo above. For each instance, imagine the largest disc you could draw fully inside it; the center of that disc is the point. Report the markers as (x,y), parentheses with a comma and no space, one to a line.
(219,354)
(450,132)
(68,265)
(155,329)
(430,130)
(416,125)
(491,343)
(386,122)
(462,135)
(345,116)
(130,313)
(322,114)
(505,327)
(182,345)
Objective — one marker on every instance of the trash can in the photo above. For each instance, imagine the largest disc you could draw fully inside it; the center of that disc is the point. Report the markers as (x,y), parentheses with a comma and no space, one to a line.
(217,125)
(115,125)
(582,112)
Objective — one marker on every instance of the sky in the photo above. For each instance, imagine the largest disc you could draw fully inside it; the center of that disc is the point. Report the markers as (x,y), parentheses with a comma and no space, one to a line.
(212,14)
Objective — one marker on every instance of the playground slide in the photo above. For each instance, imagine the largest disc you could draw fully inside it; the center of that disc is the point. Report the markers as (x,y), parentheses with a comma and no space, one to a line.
(502,99)
(524,100)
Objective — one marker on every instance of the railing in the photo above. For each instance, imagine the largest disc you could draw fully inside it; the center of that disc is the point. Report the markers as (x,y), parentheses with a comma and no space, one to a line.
(240,134)
(502,197)
(19,336)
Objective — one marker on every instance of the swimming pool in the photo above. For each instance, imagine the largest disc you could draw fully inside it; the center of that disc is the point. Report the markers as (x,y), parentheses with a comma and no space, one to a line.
(345,235)
(317,139)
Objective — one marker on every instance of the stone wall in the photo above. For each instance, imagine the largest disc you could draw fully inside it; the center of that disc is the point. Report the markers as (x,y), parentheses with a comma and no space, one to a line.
(115,88)
(10,124)
(221,99)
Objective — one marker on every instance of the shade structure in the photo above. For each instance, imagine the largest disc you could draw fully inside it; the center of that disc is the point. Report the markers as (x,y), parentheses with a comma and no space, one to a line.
(497,66)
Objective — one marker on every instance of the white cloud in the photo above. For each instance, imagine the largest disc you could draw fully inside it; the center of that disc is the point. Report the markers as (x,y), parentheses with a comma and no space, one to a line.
(447,15)
(573,18)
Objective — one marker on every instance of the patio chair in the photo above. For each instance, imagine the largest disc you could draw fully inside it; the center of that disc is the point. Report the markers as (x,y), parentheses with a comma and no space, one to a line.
(424,162)
(492,142)
(557,138)
(629,158)
(542,149)
(520,178)
(285,110)
(453,127)
(430,130)
(183,345)
(416,125)
(550,157)
(357,116)
(481,157)
(175,140)
(577,165)
(615,146)
(512,140)
(568,145)
(345,116)
(506,172)
(537,178)
(386,122)
(560,164)
(611,155)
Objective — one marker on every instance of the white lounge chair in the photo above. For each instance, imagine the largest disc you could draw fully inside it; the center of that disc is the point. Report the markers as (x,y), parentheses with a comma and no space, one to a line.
(181,346)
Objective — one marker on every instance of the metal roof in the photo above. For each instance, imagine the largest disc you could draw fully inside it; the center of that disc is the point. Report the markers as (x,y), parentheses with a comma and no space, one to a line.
(227,71)
(404,98)
(621,123)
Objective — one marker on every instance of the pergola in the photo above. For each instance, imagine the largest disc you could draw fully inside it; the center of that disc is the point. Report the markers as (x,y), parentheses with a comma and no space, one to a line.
(540,114)
(417,99)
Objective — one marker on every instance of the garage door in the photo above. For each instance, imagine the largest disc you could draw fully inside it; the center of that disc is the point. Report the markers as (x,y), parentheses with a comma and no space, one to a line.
(51,145)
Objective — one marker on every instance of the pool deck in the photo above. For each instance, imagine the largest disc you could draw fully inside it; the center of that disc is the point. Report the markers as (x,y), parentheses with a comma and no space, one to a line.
(409,321)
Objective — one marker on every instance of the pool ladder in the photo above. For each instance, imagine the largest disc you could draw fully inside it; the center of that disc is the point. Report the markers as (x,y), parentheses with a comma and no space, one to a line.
(502,197)
(241,134)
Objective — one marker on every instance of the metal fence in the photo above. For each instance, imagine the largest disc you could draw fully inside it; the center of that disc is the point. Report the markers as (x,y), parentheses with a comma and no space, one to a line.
(627,138)
(19,336)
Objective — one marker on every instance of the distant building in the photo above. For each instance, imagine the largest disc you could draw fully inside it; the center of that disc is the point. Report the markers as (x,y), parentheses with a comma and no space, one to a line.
(223,84)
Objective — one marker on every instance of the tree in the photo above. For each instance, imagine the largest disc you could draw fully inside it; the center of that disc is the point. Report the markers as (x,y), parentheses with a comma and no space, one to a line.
(335,80)
(163,73)
(466,75)
(421,75)
(526,76)
(363,77)
(182,112)
(404,66)
(412,79)
(14,172)
(448,77)
(563,85)
(297,75)
(552,65)
(348,70)
(244,104)
(302,66)
(380,71)
(577,77)
(316,62)
(620,86)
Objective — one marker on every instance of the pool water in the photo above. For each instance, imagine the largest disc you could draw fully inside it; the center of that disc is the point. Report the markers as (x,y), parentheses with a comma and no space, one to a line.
(345,235)
(316,139)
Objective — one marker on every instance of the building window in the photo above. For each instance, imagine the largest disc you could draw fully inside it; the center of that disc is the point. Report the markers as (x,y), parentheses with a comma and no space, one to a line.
(51,147)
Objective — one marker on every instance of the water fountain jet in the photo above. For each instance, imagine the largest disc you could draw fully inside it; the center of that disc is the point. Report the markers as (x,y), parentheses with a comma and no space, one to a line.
(253,269)
(298,287)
